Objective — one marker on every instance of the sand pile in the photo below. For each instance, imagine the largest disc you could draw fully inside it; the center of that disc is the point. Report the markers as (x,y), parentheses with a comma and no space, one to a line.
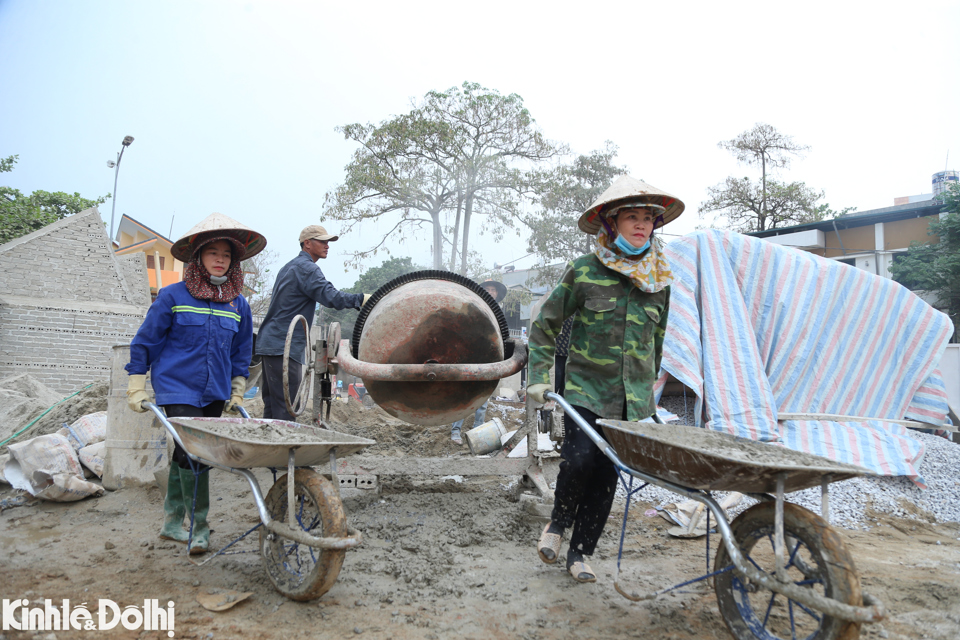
(91,399)
(24,399)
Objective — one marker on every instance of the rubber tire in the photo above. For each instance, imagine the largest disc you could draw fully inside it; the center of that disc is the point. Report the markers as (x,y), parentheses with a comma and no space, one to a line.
(368,401)
(309,487)
(827,550)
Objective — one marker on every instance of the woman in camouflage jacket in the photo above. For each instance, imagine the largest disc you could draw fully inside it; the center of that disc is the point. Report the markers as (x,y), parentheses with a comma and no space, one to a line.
(619,297)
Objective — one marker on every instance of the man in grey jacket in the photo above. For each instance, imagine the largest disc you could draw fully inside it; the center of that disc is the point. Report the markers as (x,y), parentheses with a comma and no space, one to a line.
(299,287)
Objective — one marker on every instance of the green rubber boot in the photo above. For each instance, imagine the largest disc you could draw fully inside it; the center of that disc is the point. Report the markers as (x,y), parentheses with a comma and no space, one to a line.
(173,508)
(201,530)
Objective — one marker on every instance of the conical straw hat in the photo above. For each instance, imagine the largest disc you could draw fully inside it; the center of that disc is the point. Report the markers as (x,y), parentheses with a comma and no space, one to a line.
(222,226)
(627,188)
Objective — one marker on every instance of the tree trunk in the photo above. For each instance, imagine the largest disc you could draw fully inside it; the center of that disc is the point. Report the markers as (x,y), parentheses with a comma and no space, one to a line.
(467,210)
(763,193)
(456,234)
(437,240)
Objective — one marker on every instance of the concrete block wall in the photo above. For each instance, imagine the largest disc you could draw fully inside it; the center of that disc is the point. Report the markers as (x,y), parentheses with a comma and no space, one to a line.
(65,301)
(134,269)
(64,348)
(67,260)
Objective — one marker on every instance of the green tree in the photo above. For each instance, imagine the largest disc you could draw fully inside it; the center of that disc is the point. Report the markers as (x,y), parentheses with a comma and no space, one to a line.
(770,204)
(563,194)
(458,154)
(935,267)
(371,280)
(20,214)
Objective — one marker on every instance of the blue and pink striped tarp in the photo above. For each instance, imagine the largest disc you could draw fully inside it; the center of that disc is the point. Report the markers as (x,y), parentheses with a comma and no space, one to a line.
(758,329)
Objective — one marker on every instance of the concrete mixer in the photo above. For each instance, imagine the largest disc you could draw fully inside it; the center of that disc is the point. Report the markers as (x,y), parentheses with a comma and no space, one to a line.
(431,347)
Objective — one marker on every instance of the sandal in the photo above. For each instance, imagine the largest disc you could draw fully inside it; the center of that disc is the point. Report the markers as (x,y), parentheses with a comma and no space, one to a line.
(582,572)
(549,542)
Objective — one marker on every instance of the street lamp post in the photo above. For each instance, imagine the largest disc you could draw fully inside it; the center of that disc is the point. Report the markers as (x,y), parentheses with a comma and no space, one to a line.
(127,141)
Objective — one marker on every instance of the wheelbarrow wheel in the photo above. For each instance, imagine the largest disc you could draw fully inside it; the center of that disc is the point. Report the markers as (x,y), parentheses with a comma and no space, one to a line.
(298,571)
(815,557)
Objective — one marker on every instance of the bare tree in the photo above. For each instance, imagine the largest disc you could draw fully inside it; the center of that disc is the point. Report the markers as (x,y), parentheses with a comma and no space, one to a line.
(770,204)
(763,145)
(258,277)
(460,152)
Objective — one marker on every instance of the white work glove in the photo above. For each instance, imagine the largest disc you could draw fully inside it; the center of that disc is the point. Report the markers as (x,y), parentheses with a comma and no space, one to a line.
(237,386)
(366,297)
(536,392)
(137,392)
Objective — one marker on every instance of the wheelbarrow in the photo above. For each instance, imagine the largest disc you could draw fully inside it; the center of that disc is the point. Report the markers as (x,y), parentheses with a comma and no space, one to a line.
(781,570)
(303,530)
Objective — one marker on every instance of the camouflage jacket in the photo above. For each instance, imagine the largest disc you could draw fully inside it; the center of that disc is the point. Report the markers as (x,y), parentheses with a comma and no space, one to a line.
(616,343)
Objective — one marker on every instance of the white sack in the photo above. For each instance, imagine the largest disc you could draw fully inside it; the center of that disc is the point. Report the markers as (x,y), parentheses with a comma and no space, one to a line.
(92,457)
(87,430)
(47,467)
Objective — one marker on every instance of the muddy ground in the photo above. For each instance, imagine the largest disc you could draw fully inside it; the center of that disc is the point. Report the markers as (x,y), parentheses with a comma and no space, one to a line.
(440,559)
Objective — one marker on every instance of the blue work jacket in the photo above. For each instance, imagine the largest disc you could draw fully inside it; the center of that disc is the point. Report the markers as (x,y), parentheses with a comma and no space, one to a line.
(193,348)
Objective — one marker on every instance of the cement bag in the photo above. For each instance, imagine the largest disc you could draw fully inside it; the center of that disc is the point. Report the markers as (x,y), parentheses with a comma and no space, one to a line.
(92,457)
(47,467)
(87,430)
(3,462)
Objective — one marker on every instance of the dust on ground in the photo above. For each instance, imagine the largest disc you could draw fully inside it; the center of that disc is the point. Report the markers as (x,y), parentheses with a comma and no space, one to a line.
(440,559)
(434,565)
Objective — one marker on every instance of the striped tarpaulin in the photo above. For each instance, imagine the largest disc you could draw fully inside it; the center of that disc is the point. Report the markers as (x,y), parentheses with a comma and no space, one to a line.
(756,329)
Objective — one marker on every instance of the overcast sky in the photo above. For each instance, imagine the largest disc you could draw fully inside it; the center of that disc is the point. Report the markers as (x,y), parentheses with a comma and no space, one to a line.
(233,105)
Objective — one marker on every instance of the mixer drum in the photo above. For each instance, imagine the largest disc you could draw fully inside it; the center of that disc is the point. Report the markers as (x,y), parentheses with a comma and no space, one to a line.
(431,321)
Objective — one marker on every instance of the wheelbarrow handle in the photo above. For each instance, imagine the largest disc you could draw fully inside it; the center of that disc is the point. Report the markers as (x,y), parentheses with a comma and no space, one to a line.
(162,417)
(587,429)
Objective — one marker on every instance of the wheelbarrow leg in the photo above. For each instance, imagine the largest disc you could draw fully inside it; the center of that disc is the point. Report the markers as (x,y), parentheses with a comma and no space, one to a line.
(778,543)
(291,492)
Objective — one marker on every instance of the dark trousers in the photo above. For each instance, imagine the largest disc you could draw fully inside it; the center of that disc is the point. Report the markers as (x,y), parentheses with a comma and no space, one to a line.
(585,487)
(212,410)
(560,364)
(271,386)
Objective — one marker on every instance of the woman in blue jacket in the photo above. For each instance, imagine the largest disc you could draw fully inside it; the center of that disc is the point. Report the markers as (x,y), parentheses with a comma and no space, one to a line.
(197,341)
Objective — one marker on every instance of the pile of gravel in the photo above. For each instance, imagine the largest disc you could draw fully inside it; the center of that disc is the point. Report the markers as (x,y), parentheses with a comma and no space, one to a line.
(850,499)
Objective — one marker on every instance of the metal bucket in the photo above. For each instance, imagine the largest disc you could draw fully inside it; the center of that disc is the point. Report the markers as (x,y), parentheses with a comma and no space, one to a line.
(136,443)
(485,438)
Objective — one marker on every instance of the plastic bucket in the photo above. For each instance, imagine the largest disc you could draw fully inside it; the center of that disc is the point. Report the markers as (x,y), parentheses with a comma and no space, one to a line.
(485,438)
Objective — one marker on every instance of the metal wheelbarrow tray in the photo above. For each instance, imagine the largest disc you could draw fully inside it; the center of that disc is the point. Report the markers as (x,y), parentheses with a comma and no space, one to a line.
(772,549)
(262,443)
(713,461)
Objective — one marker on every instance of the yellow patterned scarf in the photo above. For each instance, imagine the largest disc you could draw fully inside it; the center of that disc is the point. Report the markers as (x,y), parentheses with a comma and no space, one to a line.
(649,272)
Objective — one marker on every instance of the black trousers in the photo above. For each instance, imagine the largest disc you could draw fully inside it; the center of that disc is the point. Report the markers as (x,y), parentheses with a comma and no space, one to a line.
(585,487)
(271,386)
(212,410)
(560,364)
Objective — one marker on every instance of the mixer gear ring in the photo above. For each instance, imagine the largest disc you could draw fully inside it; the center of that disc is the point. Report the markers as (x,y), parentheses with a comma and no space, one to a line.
(429,274)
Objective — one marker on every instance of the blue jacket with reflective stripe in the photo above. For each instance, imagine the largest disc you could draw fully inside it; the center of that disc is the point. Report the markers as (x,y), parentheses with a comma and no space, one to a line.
(192,347)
